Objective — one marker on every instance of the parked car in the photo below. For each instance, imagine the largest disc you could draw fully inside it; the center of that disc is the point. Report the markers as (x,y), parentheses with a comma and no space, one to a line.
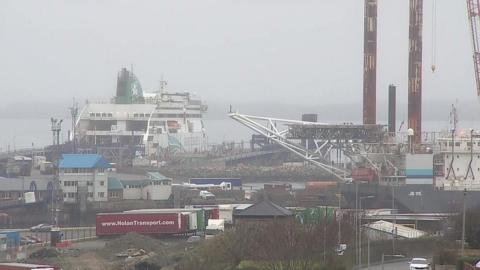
(419,263)
(29,240)
(41,228)
(34,239)
(206,195)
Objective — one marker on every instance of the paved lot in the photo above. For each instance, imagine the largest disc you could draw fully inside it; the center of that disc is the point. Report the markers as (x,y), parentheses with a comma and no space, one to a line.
(391,266)
(398,265)
(90,245)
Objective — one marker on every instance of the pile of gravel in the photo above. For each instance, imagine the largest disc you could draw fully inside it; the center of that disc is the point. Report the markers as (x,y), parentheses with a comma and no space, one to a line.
(135,241)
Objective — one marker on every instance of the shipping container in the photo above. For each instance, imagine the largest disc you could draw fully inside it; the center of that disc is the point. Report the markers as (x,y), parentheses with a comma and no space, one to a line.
(144,223)
(316,186)
(10,240)
(211,211)
(317,215)
(277,188)
(25,266)
(192,220)
(201,224)
(364,174)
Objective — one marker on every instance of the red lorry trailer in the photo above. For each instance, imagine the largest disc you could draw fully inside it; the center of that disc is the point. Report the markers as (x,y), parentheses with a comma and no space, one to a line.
(25,266)
(145,223)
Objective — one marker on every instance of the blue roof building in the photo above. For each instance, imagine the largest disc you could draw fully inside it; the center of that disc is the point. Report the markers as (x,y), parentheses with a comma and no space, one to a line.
(83,161)
(84,176)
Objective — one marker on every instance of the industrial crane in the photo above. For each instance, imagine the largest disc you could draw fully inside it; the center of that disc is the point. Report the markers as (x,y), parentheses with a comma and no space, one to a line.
(473,8)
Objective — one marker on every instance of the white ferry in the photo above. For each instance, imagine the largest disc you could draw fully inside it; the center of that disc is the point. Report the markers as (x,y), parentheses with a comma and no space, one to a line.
(155,121)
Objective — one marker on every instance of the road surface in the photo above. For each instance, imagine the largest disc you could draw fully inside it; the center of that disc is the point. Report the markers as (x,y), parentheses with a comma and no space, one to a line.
(398,265)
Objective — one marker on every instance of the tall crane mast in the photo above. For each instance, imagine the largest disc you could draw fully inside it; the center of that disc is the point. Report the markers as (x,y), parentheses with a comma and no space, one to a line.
(473,7)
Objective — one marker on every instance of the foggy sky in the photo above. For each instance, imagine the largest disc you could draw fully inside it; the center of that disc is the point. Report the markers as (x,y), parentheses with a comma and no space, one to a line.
(266,52)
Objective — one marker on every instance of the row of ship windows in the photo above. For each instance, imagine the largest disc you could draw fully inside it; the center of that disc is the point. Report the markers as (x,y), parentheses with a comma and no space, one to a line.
(447,156)
(458,143)
(147,115)
(168,115)
(101,115)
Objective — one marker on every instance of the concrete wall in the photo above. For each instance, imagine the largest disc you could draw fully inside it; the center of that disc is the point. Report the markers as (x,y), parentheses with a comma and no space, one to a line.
(132,193)
(157,192)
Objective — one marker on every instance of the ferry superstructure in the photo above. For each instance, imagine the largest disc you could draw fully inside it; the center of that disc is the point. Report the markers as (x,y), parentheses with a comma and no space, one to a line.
(155,121)
(457,163)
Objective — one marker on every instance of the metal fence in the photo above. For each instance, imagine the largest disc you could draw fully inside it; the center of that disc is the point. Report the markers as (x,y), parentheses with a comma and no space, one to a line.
(68,234)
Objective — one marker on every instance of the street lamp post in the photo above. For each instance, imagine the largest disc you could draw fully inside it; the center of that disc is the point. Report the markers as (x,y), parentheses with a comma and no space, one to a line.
(360,229)
(356,222)
(390,255)
(463,222)
(368,253)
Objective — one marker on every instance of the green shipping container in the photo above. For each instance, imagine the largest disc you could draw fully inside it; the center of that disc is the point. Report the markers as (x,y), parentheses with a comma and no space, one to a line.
(201,224)
(316,215)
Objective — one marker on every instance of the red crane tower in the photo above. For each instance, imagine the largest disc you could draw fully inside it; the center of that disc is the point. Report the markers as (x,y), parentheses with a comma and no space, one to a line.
(370,63)
(473,7)
(415,70)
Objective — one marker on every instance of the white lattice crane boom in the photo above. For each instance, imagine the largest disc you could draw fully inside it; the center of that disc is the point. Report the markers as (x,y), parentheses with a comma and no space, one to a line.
(473,9)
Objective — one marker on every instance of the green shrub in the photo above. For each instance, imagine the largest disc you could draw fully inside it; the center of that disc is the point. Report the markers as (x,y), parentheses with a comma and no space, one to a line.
(466,259)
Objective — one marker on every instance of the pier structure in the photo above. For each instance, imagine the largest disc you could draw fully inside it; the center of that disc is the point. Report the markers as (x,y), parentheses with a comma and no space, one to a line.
(329,146)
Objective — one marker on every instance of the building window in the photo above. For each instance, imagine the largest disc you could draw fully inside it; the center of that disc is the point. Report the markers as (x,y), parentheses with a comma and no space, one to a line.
(70,183)
(102,183)
(114,194)
(101,170)
(84,170)
(90,194)
(71,194)
(65,195)
(89,183)
(101,194)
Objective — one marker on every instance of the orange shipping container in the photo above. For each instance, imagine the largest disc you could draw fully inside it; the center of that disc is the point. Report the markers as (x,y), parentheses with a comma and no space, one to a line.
(320,185)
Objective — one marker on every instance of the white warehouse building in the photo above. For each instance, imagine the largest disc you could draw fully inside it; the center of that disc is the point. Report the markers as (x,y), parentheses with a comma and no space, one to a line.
(156,187)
